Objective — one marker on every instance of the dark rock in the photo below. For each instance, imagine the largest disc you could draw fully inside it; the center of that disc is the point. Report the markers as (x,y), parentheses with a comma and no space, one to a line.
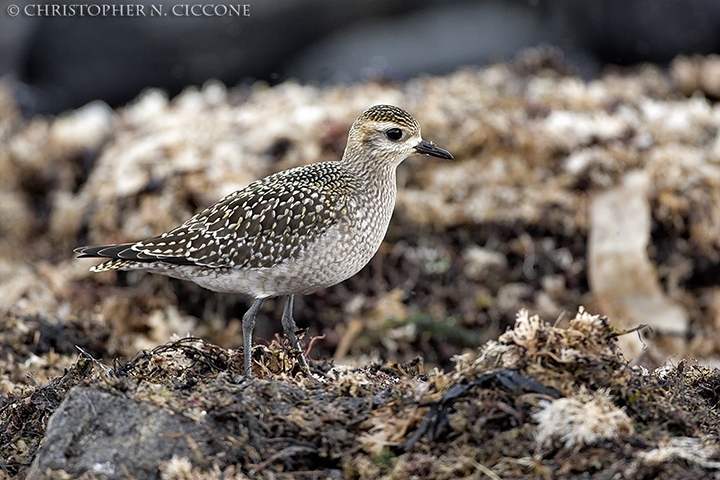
(72,60)
(67,61)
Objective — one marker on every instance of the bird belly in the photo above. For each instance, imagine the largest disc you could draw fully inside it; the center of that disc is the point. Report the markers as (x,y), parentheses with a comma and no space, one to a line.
(336,256)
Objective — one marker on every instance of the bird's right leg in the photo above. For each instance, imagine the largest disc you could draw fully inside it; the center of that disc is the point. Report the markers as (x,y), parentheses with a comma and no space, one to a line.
(248,325)
(289,326)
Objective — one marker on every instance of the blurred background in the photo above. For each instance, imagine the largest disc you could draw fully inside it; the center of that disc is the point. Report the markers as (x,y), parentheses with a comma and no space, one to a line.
(64,62)
(115,128)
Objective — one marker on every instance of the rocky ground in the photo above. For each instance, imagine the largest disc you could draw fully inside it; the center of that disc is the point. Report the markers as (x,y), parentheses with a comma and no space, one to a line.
(564,193)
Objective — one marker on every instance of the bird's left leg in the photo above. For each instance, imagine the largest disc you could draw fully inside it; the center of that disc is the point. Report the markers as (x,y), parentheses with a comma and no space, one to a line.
(248,325)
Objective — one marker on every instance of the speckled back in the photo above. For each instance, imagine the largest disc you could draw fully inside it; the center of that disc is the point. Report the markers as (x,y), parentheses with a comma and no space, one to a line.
(261,225)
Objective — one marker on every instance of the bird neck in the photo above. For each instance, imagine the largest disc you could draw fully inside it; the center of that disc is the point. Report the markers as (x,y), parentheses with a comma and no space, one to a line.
(372,170)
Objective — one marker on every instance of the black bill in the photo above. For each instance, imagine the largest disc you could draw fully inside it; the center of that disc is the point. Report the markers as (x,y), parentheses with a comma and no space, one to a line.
(430,149)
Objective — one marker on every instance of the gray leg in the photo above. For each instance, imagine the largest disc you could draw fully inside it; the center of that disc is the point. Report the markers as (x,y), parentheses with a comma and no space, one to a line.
(248,325)
(288,324)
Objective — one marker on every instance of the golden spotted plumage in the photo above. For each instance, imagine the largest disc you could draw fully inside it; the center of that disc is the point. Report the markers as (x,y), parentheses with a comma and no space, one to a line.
(290,233)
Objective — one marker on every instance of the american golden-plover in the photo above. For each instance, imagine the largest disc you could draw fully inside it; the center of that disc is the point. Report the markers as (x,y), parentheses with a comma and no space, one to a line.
(293,232)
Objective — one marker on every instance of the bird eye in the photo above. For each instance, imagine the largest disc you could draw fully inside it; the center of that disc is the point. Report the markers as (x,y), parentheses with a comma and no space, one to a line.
(394,134)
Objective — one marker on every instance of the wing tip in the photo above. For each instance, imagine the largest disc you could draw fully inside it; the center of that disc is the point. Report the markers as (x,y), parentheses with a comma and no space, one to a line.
(114,265)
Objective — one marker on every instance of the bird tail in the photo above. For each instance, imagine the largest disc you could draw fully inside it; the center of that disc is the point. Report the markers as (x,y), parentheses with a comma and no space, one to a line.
(102,251)
(107,251)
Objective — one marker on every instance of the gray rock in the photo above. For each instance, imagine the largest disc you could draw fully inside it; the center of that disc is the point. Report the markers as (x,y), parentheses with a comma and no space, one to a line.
(114,437)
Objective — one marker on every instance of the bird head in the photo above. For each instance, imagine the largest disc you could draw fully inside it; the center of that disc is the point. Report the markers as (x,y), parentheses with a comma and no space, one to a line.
(386,135)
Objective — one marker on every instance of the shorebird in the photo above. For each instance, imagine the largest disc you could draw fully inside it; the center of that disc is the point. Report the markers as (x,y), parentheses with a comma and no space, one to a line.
(293,232)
